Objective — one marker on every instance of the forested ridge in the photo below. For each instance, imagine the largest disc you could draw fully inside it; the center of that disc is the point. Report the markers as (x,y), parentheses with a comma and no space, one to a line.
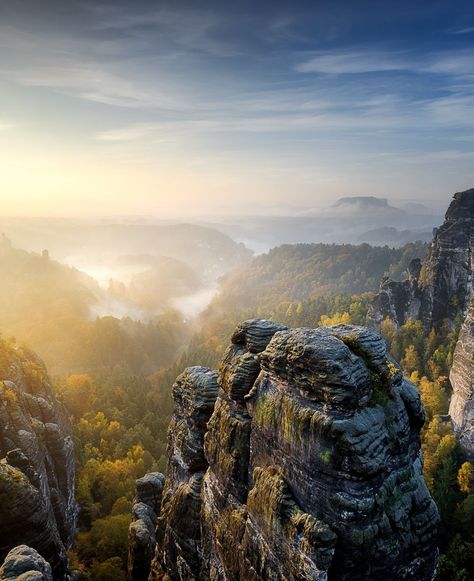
(294,272)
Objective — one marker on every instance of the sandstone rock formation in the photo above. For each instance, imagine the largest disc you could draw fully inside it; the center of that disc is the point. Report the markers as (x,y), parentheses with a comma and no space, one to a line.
(141,535)
(441,288)
(309,469)
(37,505)
(25,564)
(461,407)
(178,532)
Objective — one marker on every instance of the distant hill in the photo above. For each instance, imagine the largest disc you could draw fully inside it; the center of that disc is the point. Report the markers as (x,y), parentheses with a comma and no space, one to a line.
(391,235)
(371,204)
(303,271)
(345,221)
(86,244)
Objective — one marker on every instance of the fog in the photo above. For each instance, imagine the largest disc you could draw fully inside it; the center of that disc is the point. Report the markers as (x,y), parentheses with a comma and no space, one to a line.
(145,268)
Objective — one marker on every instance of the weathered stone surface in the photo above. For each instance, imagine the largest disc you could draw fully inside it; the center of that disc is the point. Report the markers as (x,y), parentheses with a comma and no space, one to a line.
(314,471)
(439,293)
(37,505)
(461,408)
(25,564)
(141,534)
(441,288)
(178,533)
(350,457)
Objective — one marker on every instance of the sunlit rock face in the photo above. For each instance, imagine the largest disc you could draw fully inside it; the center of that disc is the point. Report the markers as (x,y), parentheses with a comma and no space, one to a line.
(37,505)
(461,408)
(312,466)
(440,289)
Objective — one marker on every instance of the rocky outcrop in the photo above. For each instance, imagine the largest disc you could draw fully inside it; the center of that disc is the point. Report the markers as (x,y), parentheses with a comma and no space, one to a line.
(141,534)
(461,408)
(178,532)
(396,300)
(439,290)
(25,564)
(37,505)
(309,469)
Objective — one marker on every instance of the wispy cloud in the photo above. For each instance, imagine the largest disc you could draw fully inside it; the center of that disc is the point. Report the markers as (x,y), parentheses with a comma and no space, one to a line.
(188,28)
(467,30)
(457,63)
(453,111)
(353,62)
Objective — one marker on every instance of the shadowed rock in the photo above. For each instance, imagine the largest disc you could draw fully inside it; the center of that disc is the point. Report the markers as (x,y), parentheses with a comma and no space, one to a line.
(141,534)
(37,505)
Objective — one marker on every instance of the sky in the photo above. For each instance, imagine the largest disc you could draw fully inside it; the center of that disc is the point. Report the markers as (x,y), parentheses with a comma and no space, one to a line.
(174,109)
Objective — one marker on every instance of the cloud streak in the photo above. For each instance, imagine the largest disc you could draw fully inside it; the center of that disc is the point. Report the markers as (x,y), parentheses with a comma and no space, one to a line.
(353,62)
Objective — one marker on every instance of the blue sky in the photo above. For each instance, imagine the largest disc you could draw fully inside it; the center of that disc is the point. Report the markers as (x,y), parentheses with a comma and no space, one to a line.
(157,108)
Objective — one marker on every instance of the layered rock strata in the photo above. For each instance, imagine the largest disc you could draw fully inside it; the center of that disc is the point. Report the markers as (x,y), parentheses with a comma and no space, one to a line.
(310,467)
(37,506)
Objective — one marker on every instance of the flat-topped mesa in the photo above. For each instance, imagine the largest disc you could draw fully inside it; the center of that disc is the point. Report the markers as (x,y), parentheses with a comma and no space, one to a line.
(461,407)
(37,505)
(442,288)
(314,467)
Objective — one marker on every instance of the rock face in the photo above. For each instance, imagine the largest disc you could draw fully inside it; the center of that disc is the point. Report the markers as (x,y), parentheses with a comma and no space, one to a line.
(37,505)
(309,468)
(178,532)
(441,288)
(25,564)
(461,407)
(141,535)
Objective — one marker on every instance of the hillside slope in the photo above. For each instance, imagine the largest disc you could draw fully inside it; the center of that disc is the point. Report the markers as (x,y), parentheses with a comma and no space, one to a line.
(304,271)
